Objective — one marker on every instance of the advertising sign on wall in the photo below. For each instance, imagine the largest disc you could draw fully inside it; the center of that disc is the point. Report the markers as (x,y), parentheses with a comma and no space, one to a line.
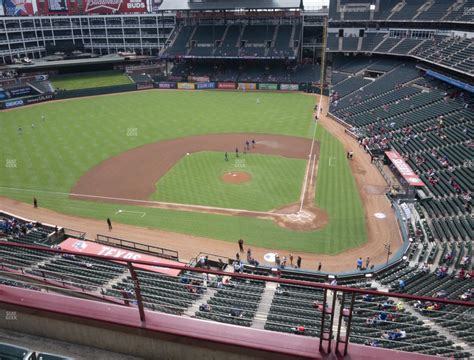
(18,7)
(206,85)
(57,5)
(185,86)
(226,85)
(38,99)
(165,85)
(267,87)
(144,86)
(404,169)
(3,94)
(19,91)
(114,6)
(14,103)
(247,86)
(289,87)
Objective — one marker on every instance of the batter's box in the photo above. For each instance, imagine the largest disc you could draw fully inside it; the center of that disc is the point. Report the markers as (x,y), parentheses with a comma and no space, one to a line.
(332,161)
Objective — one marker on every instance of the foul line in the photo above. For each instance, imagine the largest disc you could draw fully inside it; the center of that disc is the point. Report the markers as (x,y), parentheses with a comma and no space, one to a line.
(309,162)
(157,204)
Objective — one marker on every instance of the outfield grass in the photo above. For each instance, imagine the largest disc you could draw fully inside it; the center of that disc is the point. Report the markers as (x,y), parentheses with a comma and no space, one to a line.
(90,80)
(79,134)
(196,179)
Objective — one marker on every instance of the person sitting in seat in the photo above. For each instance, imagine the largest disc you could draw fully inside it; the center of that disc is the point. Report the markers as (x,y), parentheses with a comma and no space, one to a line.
(205,308)
(236,313)
(281,291)
(394,335)
(299,330)
(467,295)
(368,298)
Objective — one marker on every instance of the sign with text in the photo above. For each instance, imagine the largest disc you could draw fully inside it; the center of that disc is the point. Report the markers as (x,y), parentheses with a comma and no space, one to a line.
(206,85)
(289,87)
(83,247)
(404,169)
(114,6)
(247,86)
(185,86)
(267,87)
(166,85)
(226,85)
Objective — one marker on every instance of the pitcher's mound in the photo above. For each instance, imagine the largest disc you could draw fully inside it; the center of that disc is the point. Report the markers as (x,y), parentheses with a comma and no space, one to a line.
(236,177)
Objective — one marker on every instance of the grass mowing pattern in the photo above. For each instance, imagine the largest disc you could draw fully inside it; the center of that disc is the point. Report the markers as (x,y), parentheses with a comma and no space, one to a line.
(196,179)
(90,80)
(78,134)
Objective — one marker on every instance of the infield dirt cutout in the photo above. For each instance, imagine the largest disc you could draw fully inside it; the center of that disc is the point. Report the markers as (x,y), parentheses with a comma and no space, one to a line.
(130,177)
(236,177)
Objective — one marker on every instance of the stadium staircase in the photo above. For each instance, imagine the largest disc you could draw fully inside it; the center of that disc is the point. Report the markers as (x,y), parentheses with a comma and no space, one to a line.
(264,306)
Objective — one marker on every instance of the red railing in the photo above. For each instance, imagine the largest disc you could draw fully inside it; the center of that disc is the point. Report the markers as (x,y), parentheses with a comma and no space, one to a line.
(327,310)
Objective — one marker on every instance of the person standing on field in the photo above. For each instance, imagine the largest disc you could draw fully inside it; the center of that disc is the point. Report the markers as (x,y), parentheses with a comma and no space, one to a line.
(241,245)
(236,152)
(226,157)
(298,262)
(291,260)
(109,223)
(35,203)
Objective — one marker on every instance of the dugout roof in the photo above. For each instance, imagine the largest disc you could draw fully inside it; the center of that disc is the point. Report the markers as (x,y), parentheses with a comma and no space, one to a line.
(172,5)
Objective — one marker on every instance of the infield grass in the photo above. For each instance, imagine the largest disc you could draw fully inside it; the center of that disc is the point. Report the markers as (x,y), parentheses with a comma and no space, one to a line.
(196,179)
(80,133)
(90,80)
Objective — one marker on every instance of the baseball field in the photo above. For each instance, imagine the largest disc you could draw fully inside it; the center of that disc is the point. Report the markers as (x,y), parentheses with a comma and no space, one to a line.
(157,159)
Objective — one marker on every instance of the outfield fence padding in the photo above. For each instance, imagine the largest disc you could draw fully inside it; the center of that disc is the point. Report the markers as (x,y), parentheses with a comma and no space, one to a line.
(68,94)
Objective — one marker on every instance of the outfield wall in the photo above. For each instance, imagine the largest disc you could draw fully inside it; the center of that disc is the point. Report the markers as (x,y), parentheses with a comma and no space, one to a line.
(164,85)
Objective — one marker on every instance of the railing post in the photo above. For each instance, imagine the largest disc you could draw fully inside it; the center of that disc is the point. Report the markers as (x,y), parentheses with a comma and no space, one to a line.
(323,312)
(138,294)
(339,325)
(349,322)
(333,306)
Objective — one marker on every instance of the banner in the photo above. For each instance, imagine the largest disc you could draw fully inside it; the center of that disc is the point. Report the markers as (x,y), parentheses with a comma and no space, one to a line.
(267,87)
(41,77)
(83,247)
(3,94)
(198,78)
(144,86)
(457,83)
(404,169)
(18,7)
(14,103)
(37,99)
(165,85)
(206,85)
(185,86)
(247,86)
(114,6)
(226,85)
(57,5)
(19,91)
(289,87)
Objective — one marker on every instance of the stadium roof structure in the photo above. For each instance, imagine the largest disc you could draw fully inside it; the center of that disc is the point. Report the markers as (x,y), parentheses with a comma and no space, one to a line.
(172,5)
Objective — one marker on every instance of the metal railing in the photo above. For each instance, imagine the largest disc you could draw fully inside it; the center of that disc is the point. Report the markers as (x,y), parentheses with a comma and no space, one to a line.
(338,310)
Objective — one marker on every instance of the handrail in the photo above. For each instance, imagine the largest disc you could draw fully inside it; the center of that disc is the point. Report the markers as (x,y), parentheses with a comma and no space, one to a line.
(253,277)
